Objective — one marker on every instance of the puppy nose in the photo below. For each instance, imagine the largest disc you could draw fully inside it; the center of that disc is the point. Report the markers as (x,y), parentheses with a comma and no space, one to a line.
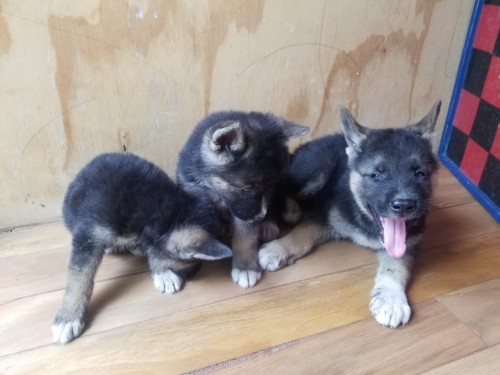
(403,206)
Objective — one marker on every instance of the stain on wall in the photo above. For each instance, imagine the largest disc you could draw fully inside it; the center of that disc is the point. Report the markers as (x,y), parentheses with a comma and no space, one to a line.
(81,78)
(5,39)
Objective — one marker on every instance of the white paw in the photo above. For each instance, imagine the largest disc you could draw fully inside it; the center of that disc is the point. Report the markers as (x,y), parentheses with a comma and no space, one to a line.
(168,282)
(269,231)
(64,332)
(292,213)
(245,278)
(390,307)
(273,256)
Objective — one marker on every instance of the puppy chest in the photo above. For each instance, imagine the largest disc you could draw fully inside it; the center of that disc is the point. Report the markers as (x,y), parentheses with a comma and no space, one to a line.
(342,228)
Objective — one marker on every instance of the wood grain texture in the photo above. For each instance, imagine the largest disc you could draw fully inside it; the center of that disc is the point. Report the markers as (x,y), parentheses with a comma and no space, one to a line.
(318,306)
(484,362)
(435,336)
(213,313)
(123,288)
(479,307)
(81,78)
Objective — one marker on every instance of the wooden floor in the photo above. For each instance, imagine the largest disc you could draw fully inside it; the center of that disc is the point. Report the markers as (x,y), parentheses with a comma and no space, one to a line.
(311,318)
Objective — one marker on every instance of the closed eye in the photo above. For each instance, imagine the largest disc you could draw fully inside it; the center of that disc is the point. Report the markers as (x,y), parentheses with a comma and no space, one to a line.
(420,173)
(377,174)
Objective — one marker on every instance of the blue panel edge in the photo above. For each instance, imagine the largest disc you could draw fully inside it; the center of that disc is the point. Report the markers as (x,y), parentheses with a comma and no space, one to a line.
(482,198)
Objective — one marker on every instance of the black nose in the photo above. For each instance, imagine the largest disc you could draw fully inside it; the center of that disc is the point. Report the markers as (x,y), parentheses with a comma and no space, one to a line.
(403,206)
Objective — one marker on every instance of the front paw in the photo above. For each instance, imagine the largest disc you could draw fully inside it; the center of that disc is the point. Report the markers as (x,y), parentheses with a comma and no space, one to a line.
(274,256)
(168,282)
(390,307)
(64,331)
(245,278)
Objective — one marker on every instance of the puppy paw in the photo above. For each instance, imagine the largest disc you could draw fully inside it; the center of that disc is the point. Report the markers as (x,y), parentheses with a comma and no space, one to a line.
(168,282)
(269,231)
(390,307)
(245,278)
(64,331)
(273,256)
(292,212)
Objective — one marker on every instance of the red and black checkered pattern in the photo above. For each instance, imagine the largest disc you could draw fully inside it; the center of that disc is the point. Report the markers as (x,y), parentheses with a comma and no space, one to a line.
(474,144)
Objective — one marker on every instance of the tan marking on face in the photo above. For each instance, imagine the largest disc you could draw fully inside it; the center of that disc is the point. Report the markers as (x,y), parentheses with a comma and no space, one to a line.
(376,161)
(356,183)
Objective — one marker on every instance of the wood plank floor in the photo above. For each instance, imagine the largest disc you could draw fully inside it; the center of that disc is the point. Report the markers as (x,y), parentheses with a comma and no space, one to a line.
(311,318)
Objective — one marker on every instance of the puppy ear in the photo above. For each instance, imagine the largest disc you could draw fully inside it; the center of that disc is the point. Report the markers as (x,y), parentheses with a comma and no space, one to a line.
(292,130)
(212,250)
(354,133)
(230,136)
(425,127)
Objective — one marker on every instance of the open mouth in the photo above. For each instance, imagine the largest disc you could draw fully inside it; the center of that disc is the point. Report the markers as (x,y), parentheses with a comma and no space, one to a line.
(393,233)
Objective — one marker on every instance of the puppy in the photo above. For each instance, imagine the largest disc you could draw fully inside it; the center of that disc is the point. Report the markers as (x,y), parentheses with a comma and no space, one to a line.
(372,187)
(122,203)
(236,159)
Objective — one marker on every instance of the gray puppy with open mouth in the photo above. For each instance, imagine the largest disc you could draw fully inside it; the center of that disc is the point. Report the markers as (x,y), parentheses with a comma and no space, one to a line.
(371,186)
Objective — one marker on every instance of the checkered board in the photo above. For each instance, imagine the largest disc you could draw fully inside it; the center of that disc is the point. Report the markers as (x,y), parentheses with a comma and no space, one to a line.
(470,145)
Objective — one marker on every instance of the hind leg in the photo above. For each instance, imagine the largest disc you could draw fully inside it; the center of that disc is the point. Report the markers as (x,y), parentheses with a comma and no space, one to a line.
(389,305)
(70,319)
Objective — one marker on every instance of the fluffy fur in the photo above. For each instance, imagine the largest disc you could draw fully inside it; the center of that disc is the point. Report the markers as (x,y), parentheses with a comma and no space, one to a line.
(372,187)
(118,203)
(236,159)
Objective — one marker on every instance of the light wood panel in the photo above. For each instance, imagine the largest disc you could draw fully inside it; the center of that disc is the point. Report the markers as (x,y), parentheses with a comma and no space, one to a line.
(214,332)
(447,192)
(434,337)
(83,77)
(484,362)
(119,301)
(21,275)
(322,299)
(479,307)
(227,320)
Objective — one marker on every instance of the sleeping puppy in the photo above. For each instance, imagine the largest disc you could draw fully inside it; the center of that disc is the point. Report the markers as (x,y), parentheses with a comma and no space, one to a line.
(122,203)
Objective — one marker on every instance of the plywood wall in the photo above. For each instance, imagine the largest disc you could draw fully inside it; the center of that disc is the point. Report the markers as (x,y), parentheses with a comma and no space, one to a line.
(82,77)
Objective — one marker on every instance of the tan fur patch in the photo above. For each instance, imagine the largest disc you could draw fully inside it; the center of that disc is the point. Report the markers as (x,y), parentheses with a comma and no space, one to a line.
(343,229)
(295,245)
(356,183)
(187,238)
(211,156)
(103,234)
(218,183)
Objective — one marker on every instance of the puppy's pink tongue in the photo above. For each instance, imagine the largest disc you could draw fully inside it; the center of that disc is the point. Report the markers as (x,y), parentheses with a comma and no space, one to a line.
(394,236)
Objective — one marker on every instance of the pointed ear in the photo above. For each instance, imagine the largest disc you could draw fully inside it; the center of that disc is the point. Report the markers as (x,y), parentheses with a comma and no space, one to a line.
(230,136)
(425,127)
(212,250)
(354,133)
(292,130)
